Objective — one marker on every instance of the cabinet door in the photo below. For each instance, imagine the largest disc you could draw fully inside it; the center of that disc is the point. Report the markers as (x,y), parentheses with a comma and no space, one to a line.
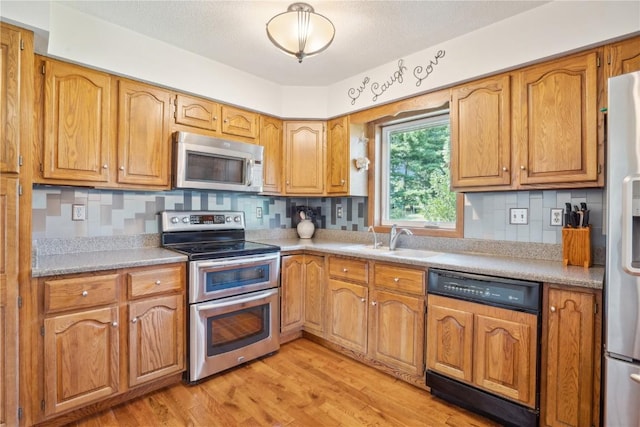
(449,340)
(8,297)
(81,358)
(505,354)
(271,140)
(144,136)
(624,57)
(292,288)
(481,133)
(197,112)
(398,331)
(558,113)
(338,156)
(304,157)
(9,100)
(348,315)
(156,338)
(239,122)
(569,359)
(76,123)
(314,293)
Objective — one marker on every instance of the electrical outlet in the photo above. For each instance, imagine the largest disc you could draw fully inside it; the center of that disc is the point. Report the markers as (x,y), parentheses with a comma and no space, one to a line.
(556,216)
(338,211)
(258,212)
(518,216)
(78,212)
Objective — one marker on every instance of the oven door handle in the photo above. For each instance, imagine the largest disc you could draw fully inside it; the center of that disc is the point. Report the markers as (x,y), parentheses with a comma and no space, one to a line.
(236,261)
(240,299)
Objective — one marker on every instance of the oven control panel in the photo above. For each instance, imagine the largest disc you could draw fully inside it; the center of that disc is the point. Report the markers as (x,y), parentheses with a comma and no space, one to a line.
(201,220)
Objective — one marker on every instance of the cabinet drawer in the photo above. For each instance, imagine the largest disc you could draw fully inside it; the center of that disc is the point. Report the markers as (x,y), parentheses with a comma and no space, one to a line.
(152,281)
(400,278)
(349,269)
(80,292)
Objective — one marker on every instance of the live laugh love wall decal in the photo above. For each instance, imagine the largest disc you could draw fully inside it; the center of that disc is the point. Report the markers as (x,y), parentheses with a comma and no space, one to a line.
(397,77)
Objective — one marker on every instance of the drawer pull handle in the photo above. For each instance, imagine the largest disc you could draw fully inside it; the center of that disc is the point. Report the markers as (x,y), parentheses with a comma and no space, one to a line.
(552,309)
(344,270)
(157,282)
(134,320)
(85,293)
(114,324)
(396,279)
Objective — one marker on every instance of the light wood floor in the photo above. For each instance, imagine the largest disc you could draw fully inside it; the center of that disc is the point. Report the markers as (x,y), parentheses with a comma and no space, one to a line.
(304,384)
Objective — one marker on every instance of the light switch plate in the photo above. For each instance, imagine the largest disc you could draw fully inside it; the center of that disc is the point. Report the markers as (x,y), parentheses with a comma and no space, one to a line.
(258,212)
(78,212)
(338,211)
(518,216)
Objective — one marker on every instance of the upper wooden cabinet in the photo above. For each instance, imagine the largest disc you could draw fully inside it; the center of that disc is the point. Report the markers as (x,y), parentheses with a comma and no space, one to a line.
(271,140)
(338,155)
(481,133)
(623,57)
(304,147)
(557,128)
(571,353)
(10,98)
(76,118)
(144,134)
(239,122)
(197,112)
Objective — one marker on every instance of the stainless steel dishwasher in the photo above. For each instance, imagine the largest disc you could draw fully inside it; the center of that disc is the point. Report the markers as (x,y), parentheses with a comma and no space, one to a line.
(483,344)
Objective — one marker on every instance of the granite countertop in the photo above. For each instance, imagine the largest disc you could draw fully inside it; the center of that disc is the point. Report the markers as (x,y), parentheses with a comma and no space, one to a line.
(481,263)
(83,262)
(494,265)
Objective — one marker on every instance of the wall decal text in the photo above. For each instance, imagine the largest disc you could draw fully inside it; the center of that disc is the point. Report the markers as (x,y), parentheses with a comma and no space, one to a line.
(422,73)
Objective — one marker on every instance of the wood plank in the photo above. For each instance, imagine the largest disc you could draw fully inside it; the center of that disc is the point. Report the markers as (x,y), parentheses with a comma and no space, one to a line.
(303,384)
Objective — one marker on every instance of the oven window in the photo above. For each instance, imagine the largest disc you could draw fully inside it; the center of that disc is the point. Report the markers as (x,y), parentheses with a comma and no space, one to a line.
(225,279)
(202,167)
(231,331)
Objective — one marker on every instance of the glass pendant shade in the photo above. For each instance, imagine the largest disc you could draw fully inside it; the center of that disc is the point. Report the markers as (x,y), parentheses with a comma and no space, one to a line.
(300,32)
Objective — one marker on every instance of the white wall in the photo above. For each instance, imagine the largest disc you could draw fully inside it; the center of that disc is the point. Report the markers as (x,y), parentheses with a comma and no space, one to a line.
(549,30)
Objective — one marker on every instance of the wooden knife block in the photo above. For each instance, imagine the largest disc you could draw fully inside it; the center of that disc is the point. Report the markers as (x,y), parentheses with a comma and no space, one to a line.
(576,246)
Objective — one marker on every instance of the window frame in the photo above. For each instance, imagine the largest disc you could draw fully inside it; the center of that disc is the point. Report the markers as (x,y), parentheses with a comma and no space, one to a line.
(383,116)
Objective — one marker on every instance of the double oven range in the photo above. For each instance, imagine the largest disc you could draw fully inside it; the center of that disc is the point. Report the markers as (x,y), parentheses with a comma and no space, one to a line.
(233,289)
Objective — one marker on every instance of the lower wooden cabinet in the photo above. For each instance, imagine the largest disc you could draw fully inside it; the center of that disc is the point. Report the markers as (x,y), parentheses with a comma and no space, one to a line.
(302,293)
(492,348)
(348,312)
(571,352)
(84,334)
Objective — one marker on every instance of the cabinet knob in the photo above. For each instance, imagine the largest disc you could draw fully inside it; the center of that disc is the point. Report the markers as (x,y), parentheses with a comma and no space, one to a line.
(114,324)
(226,120)
(373,303)
(157,282)
(523,168)
(121,168)
(504,168)
(396,279)
(287,182)
(342,181)
(552,309)
(85,293)
(134,320)
(362,300)
(344,270)
(215,118)
(105,166)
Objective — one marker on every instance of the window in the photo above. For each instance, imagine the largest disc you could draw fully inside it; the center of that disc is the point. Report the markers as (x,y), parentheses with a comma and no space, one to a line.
(414,182)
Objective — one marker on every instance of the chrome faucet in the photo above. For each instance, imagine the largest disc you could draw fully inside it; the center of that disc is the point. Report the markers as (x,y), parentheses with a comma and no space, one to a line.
(393,236)
(375,237)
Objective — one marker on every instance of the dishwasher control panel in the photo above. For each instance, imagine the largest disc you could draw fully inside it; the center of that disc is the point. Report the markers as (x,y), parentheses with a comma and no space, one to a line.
(498,291)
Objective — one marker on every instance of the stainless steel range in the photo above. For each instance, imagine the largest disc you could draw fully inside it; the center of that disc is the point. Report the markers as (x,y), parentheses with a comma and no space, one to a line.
(233,291)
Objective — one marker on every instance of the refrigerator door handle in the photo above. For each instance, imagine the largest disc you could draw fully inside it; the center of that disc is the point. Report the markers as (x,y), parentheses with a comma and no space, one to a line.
(628,264)
(635,377)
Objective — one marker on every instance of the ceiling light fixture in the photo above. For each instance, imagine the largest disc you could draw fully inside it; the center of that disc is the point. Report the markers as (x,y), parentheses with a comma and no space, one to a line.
(300,31)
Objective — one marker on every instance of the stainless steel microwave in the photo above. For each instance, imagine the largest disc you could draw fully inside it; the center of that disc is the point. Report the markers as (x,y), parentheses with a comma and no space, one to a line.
(208,163)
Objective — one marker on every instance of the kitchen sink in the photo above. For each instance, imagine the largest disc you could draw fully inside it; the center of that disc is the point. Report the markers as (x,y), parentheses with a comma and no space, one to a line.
(368,250)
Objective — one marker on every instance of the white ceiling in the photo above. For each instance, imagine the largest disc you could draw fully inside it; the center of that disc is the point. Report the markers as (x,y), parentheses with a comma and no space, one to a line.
(368,33)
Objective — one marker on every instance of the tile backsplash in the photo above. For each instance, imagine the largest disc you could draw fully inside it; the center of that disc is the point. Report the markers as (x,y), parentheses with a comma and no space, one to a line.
(118,213)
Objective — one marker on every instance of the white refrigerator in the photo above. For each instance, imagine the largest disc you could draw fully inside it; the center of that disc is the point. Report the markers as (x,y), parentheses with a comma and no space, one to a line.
(622,278)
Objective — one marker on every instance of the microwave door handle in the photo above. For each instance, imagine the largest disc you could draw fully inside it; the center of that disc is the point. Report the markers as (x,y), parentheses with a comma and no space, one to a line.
(249,165)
